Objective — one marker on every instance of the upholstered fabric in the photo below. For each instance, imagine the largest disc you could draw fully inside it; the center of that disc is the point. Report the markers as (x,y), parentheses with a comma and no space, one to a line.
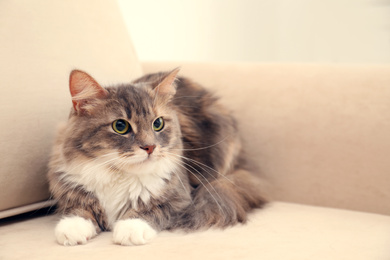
(320,134)
(280,231)
(41,42)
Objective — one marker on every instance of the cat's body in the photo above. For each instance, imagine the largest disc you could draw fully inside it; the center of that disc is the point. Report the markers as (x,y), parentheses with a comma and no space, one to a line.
(149,156)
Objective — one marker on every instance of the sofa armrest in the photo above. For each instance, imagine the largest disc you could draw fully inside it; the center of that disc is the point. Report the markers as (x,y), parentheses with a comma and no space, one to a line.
(319,133)
(41,42)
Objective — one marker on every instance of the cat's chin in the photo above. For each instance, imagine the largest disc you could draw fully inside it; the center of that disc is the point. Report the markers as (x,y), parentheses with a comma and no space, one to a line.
(155,165)
(143,161)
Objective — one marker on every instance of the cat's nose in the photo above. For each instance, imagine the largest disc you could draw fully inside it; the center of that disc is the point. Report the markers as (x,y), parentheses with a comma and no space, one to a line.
(148,148)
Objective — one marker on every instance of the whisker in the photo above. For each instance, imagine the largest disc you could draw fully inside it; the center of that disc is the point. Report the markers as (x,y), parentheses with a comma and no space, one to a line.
(205,165)
(180,97)
(77,165)
(195,162)
(104,163)
(178,176)
(216,201)
(203,148)
(121,164)
(186,106)
(208,182)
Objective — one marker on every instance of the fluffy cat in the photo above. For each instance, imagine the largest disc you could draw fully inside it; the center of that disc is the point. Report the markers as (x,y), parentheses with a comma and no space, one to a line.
(158,154)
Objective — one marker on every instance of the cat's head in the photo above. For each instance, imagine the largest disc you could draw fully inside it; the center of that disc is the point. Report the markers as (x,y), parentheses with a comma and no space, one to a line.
(124,126)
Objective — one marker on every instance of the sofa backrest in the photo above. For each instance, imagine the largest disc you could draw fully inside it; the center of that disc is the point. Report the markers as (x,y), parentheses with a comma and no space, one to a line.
(320,134)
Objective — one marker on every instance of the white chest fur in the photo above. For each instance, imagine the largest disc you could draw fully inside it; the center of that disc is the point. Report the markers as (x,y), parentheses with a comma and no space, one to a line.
(116,189)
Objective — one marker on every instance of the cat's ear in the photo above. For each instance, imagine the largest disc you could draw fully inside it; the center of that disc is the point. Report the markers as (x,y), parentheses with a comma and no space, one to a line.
(84,90)
(166,85)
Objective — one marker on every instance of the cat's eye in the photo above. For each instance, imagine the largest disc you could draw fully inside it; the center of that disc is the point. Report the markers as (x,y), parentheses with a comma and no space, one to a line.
(158,124)
(121,126)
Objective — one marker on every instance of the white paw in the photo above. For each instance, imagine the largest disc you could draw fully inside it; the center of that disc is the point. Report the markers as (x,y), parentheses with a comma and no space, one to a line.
(133,232)
(75,230)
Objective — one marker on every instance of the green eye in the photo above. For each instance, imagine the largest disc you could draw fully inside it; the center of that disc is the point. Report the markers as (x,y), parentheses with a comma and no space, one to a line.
(158,124)
(121,126)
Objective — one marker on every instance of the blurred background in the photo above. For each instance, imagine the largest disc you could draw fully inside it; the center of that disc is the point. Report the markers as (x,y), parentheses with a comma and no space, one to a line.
(341,31)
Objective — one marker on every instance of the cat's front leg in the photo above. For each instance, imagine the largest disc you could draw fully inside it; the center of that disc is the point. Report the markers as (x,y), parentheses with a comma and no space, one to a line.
(133,231)
(75,230)
(83,217)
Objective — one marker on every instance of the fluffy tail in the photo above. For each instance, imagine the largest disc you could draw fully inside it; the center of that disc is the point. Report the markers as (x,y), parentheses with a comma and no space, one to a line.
(222,202)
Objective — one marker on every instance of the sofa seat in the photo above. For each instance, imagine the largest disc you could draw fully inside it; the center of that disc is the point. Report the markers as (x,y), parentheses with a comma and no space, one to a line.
(280,231)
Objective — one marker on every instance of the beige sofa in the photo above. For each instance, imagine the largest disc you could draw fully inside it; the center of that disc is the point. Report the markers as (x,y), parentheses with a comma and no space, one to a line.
(320,135)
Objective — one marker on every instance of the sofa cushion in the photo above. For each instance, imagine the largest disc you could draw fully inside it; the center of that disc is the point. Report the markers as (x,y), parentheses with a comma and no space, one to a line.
(41,42)
(280,231)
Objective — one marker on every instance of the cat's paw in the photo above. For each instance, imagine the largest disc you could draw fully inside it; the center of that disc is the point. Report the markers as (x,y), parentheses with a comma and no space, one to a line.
(71,231)
(133,232)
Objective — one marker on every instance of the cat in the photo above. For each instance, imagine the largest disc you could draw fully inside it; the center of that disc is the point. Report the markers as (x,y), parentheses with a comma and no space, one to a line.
(158,154)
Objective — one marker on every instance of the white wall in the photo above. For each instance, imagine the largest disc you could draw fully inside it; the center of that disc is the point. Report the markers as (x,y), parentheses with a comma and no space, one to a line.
(260,30)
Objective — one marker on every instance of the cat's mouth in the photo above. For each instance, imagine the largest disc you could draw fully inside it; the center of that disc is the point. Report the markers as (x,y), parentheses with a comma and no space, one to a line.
(148,158)
(140,159)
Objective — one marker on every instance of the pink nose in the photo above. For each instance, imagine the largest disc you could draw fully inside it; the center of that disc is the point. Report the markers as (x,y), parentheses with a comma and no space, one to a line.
(148,148)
